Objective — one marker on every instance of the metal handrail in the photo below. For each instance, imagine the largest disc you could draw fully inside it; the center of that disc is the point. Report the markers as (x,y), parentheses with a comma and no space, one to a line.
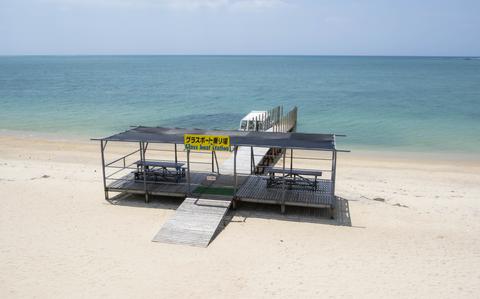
(110,163)
(114,173)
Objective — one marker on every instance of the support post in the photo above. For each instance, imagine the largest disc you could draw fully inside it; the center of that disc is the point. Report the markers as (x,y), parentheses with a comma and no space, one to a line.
(176,155)
(145,146)
(334,170)
(213,165)
(102,149)
(235,148)
(216,162)
(334,175)
(188,171)
(283,181)
(142,158)
(291,160)
(234,201)
(252,161)
(281,119)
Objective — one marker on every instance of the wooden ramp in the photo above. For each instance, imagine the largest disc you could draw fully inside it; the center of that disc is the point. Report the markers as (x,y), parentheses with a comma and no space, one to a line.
(195,222)
(244,156)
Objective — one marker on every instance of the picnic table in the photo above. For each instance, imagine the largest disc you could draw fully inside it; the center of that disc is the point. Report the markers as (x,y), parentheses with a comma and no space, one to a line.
(292,177)
(159,170)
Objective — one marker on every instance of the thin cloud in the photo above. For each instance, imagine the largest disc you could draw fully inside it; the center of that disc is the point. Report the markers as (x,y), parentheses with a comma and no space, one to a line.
(224,4)
(177,4)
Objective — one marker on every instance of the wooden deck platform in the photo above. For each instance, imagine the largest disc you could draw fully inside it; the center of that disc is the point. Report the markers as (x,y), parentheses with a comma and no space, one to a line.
(130,185)
(255,190)
(195,222)
(251,188)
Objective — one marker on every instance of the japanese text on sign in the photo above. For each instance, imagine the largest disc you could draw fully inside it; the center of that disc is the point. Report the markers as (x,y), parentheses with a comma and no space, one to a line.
(206,142)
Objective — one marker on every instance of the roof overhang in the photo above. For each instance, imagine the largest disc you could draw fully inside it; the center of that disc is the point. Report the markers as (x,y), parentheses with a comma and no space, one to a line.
(237,138)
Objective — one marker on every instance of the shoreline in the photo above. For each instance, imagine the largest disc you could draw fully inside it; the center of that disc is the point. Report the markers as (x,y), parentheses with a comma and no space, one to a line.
(357,153)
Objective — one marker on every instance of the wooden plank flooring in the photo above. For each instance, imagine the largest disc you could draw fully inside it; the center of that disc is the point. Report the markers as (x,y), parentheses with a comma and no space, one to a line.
(195,222)
(243,160)
(127,183)
(255,190)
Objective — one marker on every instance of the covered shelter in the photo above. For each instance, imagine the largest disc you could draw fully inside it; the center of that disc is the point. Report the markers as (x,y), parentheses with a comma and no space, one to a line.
(271,179)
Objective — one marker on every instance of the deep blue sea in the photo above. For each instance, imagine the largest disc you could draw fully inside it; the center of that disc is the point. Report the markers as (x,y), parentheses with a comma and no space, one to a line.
(394,103)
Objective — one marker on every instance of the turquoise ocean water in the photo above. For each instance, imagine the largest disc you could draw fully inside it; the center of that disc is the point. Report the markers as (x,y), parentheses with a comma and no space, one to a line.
(395,103)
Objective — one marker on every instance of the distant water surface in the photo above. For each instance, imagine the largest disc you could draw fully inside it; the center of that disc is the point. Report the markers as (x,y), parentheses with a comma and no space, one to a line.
(393,103)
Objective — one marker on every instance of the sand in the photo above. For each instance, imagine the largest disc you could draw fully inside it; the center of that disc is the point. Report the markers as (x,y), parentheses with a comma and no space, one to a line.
(60,238)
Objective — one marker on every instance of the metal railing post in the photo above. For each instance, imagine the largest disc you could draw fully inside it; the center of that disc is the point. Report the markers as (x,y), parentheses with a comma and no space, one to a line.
(216,163)
(334,170)
(283,181)
(102,148)
(291,159)
(213,166)
(176,156)
(142,158)
(252,161)
(235,148)
(188,172)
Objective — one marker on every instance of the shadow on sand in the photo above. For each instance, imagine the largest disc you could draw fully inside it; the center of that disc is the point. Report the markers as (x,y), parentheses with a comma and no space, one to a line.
(138,201)
(297,214)
(248,210)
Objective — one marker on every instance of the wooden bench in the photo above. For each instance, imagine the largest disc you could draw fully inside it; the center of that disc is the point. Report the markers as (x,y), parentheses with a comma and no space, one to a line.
(292,177)
(159,170)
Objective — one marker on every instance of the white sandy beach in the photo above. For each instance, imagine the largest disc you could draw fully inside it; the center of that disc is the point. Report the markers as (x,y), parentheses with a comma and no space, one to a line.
(61,239)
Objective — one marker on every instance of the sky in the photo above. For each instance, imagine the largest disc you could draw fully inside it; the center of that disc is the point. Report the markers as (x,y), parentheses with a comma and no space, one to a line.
(246,27)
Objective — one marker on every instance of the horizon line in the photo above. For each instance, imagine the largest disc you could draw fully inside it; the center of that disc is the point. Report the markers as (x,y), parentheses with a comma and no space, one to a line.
(253,55)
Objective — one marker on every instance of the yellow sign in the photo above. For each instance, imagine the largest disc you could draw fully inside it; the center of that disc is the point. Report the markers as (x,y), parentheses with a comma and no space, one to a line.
(206,142)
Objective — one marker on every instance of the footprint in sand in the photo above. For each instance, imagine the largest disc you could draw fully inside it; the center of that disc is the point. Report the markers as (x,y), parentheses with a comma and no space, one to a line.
(45,176)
